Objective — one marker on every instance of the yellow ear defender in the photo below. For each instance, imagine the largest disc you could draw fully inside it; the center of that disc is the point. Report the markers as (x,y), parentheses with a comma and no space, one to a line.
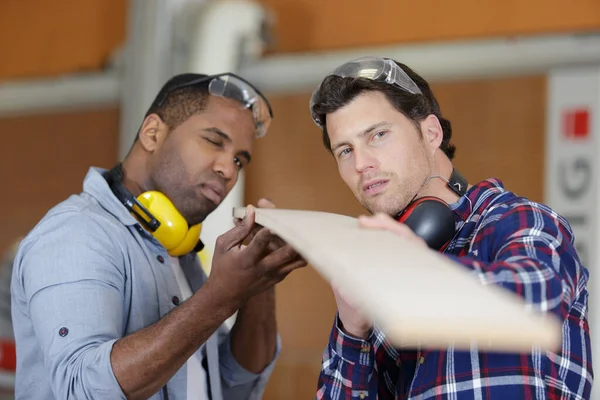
(159,216)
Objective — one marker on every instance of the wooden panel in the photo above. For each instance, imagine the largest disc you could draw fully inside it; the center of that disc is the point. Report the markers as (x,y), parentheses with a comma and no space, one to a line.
(293,380)
(499,130)
(42,38)
(44,158)
(313,25)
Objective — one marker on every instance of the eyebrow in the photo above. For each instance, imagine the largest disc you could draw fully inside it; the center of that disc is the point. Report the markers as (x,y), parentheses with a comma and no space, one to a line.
(363,133)
(227,138)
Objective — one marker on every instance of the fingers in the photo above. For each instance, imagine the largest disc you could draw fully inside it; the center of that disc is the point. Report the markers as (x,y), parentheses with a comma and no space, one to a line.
(385,222)
(262,203)
(259,244)
(253,232)
(235,236)
(277,242)
(379,221)
(265,203)
(279,257)
(284,271)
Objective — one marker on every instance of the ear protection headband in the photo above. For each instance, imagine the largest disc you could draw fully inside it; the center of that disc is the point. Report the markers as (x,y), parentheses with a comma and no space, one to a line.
(430,217)
(157,214)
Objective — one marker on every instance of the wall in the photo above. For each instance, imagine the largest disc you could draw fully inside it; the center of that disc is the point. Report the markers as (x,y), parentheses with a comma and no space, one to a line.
(44,158)
(41,38)
(45,38)
(317,25)
(499,132)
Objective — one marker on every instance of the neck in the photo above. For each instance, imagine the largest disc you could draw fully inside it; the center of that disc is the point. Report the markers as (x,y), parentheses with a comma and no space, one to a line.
(437,184)
(132,176)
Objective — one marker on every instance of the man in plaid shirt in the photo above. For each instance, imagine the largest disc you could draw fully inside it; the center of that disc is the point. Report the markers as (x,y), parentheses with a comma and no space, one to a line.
(384,128)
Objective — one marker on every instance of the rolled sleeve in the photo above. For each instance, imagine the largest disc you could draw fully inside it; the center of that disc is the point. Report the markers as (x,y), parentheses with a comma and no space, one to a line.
(347,366)
(350,349)
(233,374)
(74,289)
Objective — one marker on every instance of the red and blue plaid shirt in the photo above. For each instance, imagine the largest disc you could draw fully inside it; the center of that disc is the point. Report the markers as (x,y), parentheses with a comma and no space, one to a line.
(505,240)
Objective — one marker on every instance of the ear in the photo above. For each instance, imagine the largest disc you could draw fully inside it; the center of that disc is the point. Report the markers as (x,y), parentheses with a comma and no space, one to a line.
(432,130)
(152,132)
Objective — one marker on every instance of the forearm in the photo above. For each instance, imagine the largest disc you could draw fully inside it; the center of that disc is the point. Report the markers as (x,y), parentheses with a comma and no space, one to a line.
(144,361)
(254,334)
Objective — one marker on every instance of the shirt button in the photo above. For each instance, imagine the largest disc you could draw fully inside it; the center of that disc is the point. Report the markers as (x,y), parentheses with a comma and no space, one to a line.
(175,300)
(160,259)
(366,348)
(362,395)
(421,360)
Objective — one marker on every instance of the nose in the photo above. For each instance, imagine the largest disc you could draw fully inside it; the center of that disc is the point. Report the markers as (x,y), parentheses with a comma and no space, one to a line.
(225,167)
(364,160)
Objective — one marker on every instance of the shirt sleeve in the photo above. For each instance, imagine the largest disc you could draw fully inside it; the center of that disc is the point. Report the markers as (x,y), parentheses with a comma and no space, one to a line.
(239,383)
(355,368)
(532,254)
(73,282)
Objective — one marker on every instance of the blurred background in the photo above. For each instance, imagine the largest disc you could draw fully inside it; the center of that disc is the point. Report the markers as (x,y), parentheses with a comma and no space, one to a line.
(519,80)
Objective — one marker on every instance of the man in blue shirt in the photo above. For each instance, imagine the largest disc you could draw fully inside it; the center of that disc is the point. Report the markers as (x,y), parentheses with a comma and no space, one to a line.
(109,300)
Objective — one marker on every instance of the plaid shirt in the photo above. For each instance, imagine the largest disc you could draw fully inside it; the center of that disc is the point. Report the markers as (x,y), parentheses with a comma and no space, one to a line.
(502,239)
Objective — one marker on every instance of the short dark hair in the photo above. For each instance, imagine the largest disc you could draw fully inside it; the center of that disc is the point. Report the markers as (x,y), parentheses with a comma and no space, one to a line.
(336,92)
(174,104)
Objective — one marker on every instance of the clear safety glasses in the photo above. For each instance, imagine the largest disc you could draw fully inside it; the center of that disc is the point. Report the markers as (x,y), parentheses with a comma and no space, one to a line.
(373,68)
(233,87)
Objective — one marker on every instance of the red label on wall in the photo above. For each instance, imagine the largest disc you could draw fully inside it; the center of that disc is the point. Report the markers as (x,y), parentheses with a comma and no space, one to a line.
(8,356)
(576,123)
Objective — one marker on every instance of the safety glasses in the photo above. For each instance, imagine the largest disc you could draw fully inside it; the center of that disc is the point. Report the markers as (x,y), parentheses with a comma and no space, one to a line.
(233,87)
(372,68)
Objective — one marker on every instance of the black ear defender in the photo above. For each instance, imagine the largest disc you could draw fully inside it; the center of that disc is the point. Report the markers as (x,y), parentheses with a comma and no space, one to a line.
(430,217)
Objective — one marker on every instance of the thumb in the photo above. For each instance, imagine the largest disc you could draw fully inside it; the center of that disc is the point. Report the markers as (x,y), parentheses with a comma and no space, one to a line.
(235,236)
(265,203)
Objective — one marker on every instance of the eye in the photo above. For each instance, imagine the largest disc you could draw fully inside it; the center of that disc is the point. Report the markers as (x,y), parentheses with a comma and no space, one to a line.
(379,135)
(344,152)
(238,162)
(214,142)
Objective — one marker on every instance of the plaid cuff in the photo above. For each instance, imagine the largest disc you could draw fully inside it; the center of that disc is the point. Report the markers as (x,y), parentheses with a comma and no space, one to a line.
(351,349)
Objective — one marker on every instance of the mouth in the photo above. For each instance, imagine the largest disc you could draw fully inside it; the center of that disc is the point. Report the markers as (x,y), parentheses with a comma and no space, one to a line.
(374,187)
(213,192)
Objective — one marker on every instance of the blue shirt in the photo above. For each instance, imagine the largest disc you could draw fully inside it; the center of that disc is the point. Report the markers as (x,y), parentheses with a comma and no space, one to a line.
(87,275)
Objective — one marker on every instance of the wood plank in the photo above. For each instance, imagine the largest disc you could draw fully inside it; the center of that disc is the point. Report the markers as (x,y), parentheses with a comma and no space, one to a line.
(453,307)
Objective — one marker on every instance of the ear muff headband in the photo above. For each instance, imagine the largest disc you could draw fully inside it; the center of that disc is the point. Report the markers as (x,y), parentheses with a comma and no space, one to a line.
(430,217)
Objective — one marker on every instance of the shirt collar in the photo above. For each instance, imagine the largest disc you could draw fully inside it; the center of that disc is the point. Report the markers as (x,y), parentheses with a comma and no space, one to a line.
(477,196)
(96,186)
